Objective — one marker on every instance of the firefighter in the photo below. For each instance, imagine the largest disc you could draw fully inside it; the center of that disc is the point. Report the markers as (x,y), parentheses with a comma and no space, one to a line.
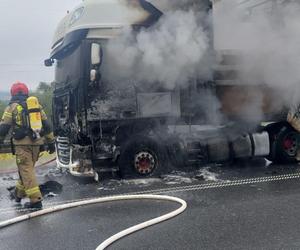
(293,119)
(30,130)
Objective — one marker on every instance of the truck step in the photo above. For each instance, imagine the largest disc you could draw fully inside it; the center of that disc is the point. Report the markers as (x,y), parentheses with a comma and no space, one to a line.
(196,154)
(108,170)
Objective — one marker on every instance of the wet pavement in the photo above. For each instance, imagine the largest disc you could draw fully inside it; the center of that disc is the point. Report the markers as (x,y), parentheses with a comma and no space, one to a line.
(253,214)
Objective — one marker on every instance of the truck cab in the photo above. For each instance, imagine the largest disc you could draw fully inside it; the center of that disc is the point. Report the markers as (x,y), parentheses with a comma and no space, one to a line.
(102,125)
(86,116)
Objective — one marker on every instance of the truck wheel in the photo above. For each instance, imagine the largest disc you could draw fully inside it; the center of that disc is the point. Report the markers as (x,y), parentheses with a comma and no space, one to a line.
(142,157)
(285,146)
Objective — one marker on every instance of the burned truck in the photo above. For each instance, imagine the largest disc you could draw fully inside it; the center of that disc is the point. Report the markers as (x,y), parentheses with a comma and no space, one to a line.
(143,130)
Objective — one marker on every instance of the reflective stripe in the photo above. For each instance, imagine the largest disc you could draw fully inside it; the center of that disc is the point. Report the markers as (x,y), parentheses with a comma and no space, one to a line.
(33,191)
(19,161)
(7,115)
(20,186)
(19,115)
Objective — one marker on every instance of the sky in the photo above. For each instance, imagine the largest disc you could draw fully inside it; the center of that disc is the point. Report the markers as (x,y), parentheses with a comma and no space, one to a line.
(26,32)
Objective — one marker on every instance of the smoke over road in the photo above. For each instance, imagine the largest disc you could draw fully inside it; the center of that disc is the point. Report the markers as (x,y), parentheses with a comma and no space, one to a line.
(267,33)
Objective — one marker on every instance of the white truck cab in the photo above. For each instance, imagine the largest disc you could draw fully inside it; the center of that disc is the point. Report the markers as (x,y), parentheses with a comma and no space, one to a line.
(94,135)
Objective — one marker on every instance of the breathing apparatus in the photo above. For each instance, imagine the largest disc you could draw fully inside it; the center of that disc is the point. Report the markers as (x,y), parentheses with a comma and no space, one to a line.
(29,117)
(34,116)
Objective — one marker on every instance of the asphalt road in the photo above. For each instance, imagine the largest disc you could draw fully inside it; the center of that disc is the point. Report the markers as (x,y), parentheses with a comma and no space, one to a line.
(262,215)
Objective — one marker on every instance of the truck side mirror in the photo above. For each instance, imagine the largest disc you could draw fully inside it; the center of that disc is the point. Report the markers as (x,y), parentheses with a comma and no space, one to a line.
(96,60)
(96,54)
(49,62)
(93,75)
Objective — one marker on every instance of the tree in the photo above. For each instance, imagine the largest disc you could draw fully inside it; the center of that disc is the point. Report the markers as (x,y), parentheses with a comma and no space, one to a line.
(2,107)
(44,87)
(44,93)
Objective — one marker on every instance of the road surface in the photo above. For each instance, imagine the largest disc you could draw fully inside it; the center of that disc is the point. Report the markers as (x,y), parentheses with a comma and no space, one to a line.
(245,206)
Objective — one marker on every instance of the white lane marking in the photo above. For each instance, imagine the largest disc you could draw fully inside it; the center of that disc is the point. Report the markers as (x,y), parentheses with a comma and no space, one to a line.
(214,185)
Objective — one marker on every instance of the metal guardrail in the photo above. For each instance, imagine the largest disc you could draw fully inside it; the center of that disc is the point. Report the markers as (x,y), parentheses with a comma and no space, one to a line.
(5,148)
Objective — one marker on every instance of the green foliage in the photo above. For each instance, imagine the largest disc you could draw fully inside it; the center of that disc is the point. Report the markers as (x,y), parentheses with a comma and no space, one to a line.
(44,94)
(2,107)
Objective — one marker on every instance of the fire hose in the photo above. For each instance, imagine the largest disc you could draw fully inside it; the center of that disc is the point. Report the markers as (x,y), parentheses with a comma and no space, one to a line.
(119,235)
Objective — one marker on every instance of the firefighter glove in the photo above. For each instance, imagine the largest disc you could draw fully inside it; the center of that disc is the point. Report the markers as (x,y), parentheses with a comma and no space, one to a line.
(51,148)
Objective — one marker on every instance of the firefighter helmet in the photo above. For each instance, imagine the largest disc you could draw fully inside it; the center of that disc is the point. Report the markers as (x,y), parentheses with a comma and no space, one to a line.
(19,88)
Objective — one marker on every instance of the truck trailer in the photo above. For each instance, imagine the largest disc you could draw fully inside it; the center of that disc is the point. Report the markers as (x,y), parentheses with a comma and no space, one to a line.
(141,132)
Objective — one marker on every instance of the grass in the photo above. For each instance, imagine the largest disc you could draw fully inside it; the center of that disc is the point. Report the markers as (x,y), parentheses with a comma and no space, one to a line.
(4,157)
(8,161)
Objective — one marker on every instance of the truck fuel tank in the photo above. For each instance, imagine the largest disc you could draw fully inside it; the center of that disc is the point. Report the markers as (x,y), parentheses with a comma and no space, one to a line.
(209,144)
(245,146)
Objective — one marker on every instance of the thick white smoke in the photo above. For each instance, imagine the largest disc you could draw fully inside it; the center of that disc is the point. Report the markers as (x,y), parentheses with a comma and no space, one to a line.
(267,33)
(171,5)
(172,52)
(177,49)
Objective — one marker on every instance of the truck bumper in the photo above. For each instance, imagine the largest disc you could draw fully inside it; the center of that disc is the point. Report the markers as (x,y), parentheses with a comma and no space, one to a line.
(64,160)
(78,171)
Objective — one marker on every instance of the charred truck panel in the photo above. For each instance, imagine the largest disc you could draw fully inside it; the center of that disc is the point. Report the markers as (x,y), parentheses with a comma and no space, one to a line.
(102,125)
(94,118)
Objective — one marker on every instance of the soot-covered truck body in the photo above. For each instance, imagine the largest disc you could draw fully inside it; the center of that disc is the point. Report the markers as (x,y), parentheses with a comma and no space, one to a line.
(144,129)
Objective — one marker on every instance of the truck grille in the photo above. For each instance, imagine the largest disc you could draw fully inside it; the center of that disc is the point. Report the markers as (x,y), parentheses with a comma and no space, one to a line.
(63,150)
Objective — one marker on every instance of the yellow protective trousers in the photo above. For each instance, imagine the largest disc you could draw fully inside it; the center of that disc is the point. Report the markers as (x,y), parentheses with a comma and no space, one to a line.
(27,186)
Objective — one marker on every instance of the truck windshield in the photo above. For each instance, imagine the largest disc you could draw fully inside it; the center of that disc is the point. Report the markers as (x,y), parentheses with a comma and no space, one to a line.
(68,69)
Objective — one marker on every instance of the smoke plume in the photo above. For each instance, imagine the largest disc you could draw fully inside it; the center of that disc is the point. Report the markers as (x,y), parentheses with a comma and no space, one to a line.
(172,52)
(267,34)
(178,49)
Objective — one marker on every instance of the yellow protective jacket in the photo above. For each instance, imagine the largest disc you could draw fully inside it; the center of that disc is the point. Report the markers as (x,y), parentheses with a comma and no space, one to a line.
(12,118)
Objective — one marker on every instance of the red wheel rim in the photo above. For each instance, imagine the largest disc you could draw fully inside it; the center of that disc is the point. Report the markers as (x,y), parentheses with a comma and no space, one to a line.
(144,163)
(290,144)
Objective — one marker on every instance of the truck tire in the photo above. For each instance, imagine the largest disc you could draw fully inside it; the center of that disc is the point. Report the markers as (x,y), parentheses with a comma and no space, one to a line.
(142,157)
(284,148)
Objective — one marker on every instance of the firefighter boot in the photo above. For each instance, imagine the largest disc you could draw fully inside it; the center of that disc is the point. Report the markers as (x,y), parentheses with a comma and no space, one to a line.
(18,200)
(13,195)
(33,206)
(19,192)
(16,197)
